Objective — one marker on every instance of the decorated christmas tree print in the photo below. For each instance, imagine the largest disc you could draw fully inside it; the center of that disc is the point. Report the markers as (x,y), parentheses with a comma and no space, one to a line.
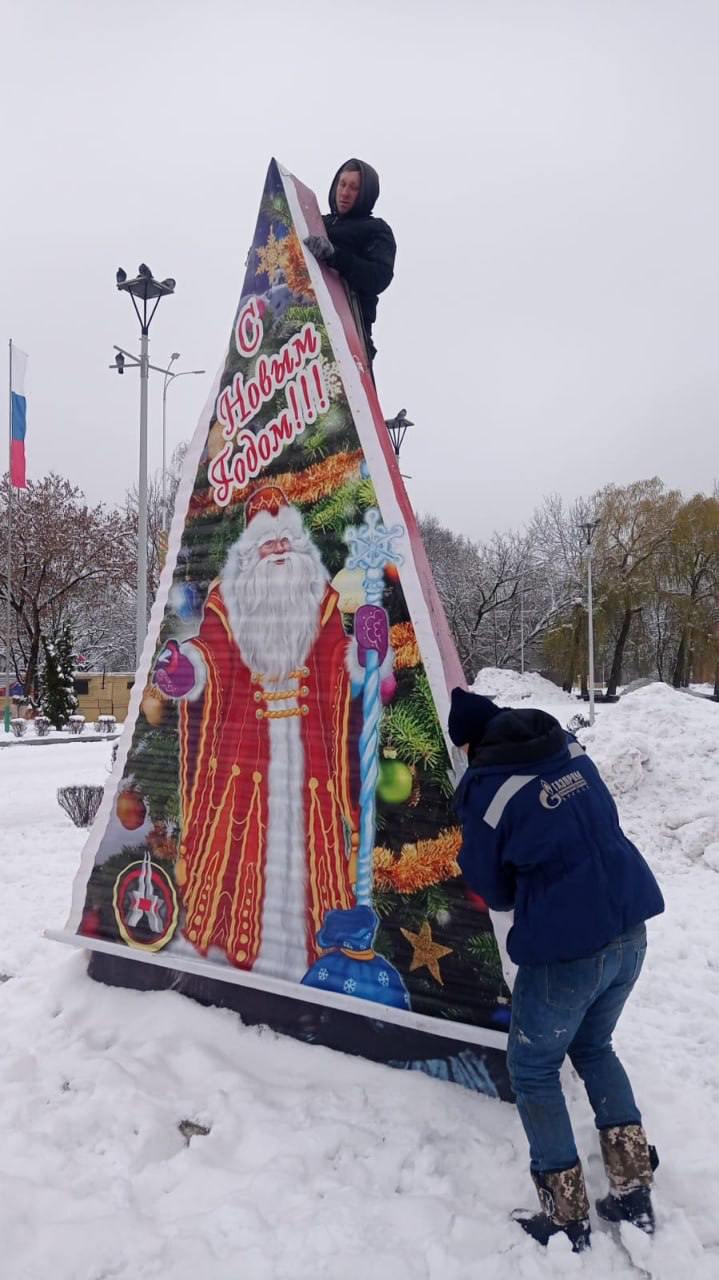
(280,808)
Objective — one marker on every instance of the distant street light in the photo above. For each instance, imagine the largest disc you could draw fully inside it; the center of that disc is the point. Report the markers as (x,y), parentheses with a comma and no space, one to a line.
(397,428)
(170,375)
(144,290)
(589,529)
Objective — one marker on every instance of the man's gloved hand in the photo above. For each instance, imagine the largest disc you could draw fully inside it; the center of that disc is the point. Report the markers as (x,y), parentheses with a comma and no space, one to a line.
(174,674)
(320,248)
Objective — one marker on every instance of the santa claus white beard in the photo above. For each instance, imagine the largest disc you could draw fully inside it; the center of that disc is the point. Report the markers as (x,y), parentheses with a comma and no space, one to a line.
(273,605)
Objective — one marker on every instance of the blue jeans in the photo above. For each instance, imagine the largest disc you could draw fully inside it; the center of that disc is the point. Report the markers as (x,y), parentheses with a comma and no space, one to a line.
(571,1007)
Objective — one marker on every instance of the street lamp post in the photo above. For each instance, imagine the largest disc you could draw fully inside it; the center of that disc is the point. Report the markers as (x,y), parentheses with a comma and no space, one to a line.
(144,290)
(169,377)
(589,529)
(397,428)
(521,624)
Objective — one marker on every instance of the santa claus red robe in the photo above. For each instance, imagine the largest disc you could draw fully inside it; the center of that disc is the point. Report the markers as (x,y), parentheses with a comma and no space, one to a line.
(224,758)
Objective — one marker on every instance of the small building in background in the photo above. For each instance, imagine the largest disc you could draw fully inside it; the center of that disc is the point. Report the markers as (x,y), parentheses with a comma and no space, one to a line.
(103,693)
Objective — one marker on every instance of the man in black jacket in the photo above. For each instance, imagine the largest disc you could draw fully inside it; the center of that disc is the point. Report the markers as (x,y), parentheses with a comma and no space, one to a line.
(359,246)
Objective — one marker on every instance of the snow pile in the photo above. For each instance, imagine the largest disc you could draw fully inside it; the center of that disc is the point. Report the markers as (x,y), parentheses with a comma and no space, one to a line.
(658,752)
(514,689)
(318,1165)
(657,749)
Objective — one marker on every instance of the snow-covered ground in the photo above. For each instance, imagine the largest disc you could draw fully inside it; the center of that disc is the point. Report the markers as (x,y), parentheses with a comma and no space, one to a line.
(319,1165)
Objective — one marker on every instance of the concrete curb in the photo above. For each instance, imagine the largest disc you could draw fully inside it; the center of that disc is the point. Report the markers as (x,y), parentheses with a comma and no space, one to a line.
(55,742)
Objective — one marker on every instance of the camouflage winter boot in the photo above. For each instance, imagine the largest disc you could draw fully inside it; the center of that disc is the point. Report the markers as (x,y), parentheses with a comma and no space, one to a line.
(629,1162)
(565,1207)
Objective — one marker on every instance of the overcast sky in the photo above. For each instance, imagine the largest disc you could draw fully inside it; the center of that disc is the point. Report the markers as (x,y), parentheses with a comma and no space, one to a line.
(549,168)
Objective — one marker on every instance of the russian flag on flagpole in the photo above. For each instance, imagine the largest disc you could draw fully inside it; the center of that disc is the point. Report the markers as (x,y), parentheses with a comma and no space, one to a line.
(18,418)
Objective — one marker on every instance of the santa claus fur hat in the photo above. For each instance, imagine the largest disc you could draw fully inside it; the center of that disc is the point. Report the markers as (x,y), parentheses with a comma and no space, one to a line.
(269,515)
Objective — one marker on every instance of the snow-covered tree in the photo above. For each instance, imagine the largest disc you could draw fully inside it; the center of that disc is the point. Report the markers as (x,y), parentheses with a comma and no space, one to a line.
(156,540)
(499,598)
(58,700)
(64,552)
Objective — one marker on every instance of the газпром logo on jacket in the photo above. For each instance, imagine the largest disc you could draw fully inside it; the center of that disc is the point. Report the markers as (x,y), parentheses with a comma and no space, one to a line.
(552,794)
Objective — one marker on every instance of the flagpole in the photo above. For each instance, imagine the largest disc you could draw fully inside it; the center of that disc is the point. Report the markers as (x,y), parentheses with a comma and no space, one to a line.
(8,615)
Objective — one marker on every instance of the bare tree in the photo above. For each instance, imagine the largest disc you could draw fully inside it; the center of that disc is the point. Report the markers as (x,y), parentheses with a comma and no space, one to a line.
(156,543)
(559,549)
(693,564)
(497,595)
(102,623)
(636,526)
(62,549)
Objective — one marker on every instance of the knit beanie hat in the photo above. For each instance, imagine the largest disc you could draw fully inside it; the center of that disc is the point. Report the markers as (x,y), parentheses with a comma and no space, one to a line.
(469,716)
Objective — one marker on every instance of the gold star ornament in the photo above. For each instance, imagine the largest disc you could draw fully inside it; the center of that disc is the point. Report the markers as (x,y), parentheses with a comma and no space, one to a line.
(425,952)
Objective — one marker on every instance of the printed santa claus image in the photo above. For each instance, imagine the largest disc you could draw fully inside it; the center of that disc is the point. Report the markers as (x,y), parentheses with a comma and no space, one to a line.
(266,746)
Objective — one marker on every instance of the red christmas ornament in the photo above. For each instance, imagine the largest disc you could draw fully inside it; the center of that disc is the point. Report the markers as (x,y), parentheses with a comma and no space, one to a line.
(90,926)
(130,809)
(388,688)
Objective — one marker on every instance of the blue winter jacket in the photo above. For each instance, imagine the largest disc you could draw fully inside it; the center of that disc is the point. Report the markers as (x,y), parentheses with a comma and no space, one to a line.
(542,836)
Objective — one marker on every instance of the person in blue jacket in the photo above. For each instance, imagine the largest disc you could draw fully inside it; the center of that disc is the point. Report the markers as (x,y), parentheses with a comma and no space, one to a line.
(541,837)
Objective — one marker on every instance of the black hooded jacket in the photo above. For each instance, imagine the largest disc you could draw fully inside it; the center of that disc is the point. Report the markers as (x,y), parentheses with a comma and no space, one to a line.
(364,246)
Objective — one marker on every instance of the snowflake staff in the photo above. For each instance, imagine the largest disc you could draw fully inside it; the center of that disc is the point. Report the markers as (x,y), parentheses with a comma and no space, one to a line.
(370,549)
(350,964)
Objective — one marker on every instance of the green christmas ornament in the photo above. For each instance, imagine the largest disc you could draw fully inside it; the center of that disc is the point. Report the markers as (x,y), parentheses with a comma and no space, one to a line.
(395,782)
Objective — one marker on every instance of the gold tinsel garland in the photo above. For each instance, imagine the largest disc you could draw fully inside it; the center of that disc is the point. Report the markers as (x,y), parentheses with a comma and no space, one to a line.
(302,487)
(285,255)
(419,865)
(404,644)
(295,267)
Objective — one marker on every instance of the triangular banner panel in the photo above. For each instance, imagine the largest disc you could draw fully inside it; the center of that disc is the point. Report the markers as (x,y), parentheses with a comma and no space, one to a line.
(279,813)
